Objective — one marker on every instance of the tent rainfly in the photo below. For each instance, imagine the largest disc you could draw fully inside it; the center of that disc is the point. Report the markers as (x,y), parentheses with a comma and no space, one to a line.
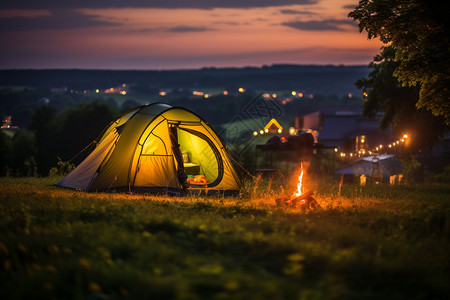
(156,148)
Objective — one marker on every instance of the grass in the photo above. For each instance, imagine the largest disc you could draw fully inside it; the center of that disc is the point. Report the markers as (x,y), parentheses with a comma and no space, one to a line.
(367,243)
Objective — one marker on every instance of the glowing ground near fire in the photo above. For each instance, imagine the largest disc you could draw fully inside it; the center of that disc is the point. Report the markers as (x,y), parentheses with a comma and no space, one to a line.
(368,242)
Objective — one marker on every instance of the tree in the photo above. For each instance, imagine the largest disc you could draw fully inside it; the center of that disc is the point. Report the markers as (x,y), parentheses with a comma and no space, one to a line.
(23,162)
(398,104)
(418,31)
(45,131)
(78,126)
(5,153)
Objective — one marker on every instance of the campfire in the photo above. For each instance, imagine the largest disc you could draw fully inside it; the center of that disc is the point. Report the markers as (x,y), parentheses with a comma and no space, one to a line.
(300,197)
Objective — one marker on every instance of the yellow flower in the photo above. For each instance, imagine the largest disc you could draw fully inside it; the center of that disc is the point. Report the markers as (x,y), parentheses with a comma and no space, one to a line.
(67,250)
(51,268)
(94,287)
(84,263)
(3,249)
(7,265)
(53,248)
(22,248)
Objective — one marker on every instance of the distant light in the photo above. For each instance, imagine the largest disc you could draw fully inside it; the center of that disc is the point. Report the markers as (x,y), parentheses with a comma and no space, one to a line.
(351,154)
(405,136)
(376,148)
(255,133)
(283,139)
(162,93)
(97,91)
(362,141)
(261,132)
(335,149)
(364,94)
(123,92)
(225,93)
(294,93)
(124,85)
(206,96)
(398,142)
(300,95)
(390,146)
(402,140)
(381,146)
(274,95)
(196,93)
(350,95)
(279,130)
(292,131)
(241,90)
(266,130)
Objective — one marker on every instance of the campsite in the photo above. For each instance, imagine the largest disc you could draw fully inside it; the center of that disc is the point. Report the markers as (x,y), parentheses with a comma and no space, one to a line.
(156,202)
(254,150)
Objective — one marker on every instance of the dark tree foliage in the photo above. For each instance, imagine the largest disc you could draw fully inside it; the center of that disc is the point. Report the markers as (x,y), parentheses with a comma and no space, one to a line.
(78,126)
(419,33)
(384,93)
(65,135)
(5,152)
(45,131)
(23,162)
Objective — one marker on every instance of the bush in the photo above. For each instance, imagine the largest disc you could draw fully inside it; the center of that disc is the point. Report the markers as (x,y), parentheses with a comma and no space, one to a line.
(62,168)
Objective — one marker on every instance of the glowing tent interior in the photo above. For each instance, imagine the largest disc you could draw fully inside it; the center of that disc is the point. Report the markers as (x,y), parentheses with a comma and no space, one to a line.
(156,148)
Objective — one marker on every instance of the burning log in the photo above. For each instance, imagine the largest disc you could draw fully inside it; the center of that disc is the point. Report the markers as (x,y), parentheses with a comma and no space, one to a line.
(305,200)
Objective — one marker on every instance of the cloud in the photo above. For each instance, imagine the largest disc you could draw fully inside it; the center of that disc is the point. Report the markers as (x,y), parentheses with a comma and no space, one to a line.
(325,25)
(58,19)
(296,12)
(350,6)
(199,4)
(188,29)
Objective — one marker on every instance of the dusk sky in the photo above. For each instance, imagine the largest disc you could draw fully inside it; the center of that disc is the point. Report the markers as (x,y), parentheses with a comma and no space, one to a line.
(179,34)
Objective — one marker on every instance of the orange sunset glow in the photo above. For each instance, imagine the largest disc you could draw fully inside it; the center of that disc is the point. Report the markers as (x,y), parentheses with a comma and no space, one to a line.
(146,36)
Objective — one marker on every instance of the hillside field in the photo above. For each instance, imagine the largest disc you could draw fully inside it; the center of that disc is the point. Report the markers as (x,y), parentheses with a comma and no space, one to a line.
(372,242)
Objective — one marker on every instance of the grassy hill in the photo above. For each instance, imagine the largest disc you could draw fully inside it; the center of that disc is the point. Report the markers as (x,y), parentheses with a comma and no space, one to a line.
(373,242)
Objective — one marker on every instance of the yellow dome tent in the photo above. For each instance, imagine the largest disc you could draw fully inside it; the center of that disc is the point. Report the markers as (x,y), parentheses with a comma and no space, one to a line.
(157,148)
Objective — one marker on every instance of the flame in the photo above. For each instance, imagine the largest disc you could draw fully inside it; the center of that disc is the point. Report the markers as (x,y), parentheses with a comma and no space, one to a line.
(299,190)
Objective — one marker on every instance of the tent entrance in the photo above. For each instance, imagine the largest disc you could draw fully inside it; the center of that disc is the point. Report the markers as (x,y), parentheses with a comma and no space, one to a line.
(201,159)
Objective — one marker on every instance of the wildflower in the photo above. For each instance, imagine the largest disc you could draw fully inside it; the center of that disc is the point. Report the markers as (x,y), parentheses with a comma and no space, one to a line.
(53,248)
(21,248)
(83,262)
(51,268)
(94,287)
(3,249)
(7,265)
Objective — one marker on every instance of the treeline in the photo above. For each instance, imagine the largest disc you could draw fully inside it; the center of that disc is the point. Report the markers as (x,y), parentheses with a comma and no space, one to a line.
(35,150)
(325,80)
(58,125)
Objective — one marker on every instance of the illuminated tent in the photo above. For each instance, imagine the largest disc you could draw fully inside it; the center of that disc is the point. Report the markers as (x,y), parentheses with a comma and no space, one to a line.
(156,148)
(384,165)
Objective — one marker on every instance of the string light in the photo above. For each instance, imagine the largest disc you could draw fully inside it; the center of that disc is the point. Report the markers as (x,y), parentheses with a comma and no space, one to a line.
(376,149)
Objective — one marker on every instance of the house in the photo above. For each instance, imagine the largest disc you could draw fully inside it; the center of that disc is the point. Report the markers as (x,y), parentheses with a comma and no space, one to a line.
(342,128)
